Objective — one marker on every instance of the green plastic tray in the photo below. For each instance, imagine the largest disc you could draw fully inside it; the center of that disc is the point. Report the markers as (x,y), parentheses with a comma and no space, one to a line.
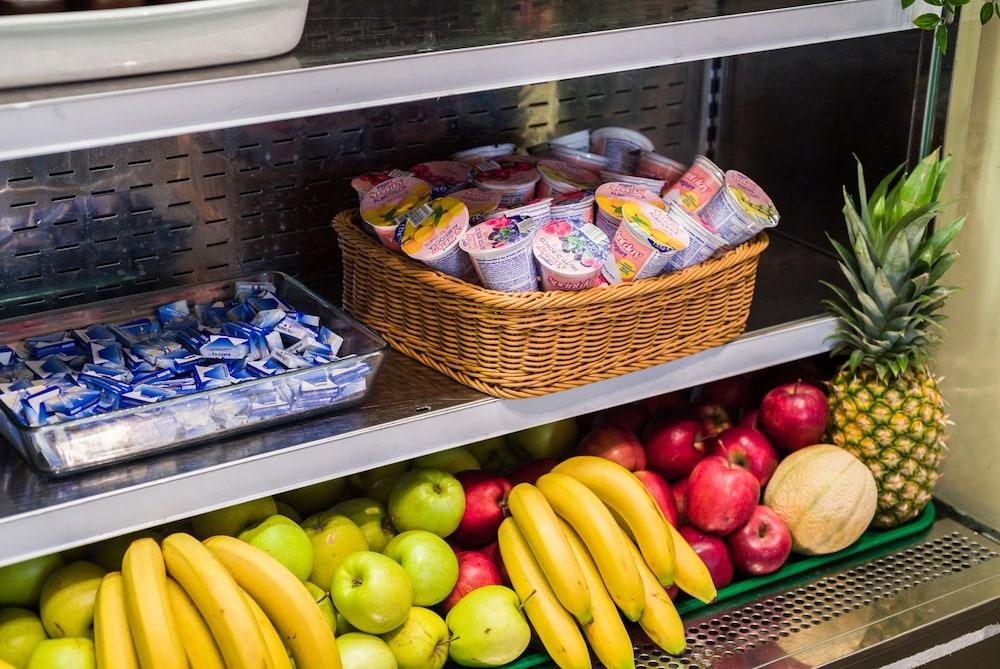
(795,566)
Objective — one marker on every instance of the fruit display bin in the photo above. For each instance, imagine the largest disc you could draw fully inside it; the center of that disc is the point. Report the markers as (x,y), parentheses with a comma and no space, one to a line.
(76,445)
(797,565)
(514,345)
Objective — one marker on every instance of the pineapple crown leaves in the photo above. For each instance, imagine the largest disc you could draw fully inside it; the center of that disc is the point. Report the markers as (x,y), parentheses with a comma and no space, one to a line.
(893,263)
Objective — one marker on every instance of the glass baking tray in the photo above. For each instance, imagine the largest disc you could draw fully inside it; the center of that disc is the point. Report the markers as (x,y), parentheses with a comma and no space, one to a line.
(73,446)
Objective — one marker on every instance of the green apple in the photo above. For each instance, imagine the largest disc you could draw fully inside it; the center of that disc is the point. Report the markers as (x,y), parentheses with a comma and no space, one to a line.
(285,541)
(552,440)
(494,455)
(68,596)
(365,651)
(333,537)
(372,592)
(21,583)
(371,518)
(381,489)
(489,628)
(67,653)
(288,512)
(427,499)
(233,519)
(109,553)
(429,562)
(421,642)
(20,631)
(453,461)
(324,602)
(362,481)
(314,498)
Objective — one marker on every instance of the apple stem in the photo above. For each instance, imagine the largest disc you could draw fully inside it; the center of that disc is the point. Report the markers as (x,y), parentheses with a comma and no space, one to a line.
(326,596)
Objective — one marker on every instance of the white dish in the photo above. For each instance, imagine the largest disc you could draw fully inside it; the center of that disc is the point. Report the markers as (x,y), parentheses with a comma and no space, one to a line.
(76,46)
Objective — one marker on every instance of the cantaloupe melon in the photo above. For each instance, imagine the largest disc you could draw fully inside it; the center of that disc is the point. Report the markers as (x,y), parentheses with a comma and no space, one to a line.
(826,497)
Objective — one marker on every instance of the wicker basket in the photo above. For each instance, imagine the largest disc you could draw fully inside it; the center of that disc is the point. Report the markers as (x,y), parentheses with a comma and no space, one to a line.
(515,345)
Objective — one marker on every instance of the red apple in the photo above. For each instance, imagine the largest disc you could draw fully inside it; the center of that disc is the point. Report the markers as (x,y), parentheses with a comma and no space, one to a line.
(762,545)
(712,551)
(668,402)
(475,570)
(629,416)
(672,592)
(751,419)
(679,491)
(492,551)
(660,491)
(615,443)
(794,415)
(485,508)
(732,394)
(713,418)
(673,446)
(528,472)
(721,495)
(749,449)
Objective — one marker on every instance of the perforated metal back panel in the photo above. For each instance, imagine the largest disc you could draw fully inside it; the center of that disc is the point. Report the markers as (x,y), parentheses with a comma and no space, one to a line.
(96,224)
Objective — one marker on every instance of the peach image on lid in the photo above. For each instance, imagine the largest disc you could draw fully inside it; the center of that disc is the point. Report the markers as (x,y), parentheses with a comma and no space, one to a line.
(696,186)
(515,180)
(702,242)
(431,235)
(740,209)
(621,146)
(384,207)
(478,154)
(560,177)
(643,243)
(481,203)
(443,175)
(654,166)
(611,196)
(570,254)
(500,249)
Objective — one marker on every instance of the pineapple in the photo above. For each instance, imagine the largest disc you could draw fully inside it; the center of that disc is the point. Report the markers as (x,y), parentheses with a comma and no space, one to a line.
(885,405)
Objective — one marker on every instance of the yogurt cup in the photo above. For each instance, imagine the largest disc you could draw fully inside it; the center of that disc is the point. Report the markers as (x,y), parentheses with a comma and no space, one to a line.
(514,180)
(444,176)
(621,146)
(481,203)
(560,177)
(575,140)
(539,211)
(575,206)
(654,166)
(611,196)
(696,186)
(740,209)
(580,158)
(570,254)
(702,242)
(500,249)
(384,207)
(652,185)
(643,243)
(365,182)
(480,153)
(432,233)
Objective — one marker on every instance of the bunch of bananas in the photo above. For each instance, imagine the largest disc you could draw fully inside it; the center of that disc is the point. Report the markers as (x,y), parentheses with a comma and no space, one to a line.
(586,541)
(221,603)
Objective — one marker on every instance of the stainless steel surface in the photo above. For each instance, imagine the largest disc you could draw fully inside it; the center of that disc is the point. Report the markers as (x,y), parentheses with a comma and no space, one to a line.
(848,611)
(355,55)
(103,223)
(411,411)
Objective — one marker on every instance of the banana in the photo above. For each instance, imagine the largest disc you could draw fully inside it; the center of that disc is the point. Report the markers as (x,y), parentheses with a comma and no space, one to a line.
(595,525)
(692,576)
(554,625)
(219,600)
(284,599)
(151,621)
(112,639)
(199,645)
(607,634)
(628,497)
(275,646)
(539,524)
(659,619)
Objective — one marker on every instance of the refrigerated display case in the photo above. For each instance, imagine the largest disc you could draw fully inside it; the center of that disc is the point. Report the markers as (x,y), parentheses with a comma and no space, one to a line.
(114,187)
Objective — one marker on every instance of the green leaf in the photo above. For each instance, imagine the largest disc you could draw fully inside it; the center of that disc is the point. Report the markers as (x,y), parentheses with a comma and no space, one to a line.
(917,188)
(936,3)
(985,13)
(927,21)
(942,174)
(957,3)
(940,240)
(941,37)
(907,3)
(942,265)
(925,212)
(876,204)
(863,194)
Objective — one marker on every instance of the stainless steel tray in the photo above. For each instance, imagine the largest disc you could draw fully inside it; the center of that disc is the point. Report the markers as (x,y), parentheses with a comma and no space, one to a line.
(73,446)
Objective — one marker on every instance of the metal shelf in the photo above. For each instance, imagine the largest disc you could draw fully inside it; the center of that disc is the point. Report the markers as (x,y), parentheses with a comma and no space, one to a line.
(352,57)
